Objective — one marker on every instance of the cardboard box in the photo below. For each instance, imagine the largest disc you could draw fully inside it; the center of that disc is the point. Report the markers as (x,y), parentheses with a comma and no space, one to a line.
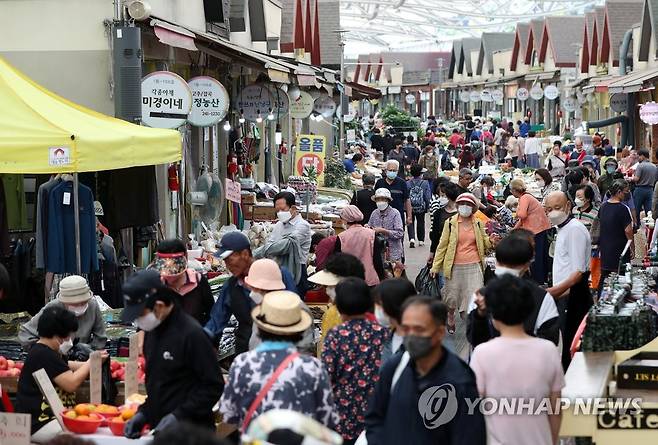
(264,213)
(247,211)
(638,372)
(248,198)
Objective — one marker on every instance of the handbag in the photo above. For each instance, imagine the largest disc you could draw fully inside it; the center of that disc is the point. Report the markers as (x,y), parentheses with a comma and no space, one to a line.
(404,361)
(265,389)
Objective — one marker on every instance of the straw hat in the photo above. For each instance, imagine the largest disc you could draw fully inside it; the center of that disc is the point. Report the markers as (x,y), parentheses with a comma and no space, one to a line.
(265,274)
(281,313)
(324,278)
(74,290)
(382,193)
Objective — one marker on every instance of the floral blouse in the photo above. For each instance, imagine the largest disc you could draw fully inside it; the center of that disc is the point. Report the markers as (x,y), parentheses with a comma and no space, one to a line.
(352,356)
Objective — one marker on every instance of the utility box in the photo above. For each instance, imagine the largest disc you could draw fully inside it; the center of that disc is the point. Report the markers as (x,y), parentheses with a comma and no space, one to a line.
(127,59)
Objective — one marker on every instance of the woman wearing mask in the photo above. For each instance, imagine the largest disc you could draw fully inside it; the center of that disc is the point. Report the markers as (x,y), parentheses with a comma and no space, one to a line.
(361,242)
(616,223)
(532,217)
(460,257)
(557,165)
(587,213)
(387,221)
(466,158)
(192,288)
(437,203)
(546,183)
(429,161)
(449,193)
(389,297)
(57,327)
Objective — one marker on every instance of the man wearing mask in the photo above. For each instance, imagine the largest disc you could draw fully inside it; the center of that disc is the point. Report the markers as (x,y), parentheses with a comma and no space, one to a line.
(645,179)
(399,191)
(236,298)
(513,256)
(609,176)
(363,198)
(184,380)
(74,294)
(398,411)
(573,250)
(290,241)
(579,153)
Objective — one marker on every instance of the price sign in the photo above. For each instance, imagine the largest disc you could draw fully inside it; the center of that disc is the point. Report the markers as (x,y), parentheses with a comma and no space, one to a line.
(166,100)
(522,94)
(254,100)
(233,189)
(210,101)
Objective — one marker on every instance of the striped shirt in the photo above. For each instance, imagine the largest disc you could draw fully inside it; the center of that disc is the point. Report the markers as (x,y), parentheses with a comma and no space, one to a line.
(587,218)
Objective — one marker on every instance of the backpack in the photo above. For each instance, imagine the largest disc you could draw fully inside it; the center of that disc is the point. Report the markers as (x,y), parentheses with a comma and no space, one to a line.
(446,163)
(417,197)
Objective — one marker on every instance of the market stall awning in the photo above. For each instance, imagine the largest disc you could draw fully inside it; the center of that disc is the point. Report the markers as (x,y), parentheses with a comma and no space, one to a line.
(544,76)
(41,132)
(600,84)
(362,91)
(633,82)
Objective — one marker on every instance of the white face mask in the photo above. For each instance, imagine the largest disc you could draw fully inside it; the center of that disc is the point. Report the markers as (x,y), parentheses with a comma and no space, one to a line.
(257,297)
(579,202)
(443,201)
(502,270)
(557,217)
(465,211)
(148,322)
(331,292)
(381,317)
(382,205)
(284,217)
(78,310)
(66,346)
(540,182)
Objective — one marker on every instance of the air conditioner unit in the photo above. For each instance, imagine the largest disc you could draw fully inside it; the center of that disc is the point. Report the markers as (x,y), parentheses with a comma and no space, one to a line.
(127,73)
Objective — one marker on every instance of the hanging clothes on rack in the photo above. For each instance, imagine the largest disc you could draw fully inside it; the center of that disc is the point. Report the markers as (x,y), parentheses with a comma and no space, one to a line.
(5,249)
(41,230)
(14,192)
(60,248)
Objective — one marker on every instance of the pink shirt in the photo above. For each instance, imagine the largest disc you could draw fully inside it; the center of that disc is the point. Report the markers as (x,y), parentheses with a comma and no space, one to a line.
(524,368)
(531,215)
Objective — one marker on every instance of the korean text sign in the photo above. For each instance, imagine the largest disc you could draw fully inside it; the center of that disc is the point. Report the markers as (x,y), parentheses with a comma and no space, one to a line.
(311,150)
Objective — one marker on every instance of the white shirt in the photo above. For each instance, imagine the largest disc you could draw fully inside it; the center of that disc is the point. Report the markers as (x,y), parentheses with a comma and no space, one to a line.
(532,146)
(498,137)
(573,248)
(302,231)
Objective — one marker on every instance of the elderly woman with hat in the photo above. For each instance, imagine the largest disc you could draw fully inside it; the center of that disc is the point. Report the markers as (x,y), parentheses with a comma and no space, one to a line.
(387,221)
(74,294)
(460,256)
(360,242)
(275,375)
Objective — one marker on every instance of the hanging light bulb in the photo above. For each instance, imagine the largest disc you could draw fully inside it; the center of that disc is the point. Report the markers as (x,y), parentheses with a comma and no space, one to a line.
(270,115)
(242,119)
(259,118)
(227,126)
(277,135)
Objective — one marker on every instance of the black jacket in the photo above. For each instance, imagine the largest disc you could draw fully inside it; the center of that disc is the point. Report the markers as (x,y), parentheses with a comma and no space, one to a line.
(182,374)
(363,200)
(395,418)
(377,142)
(481,330)
(199,301)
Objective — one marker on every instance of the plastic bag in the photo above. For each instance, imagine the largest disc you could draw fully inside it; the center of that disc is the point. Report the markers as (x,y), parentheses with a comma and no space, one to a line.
(426,284)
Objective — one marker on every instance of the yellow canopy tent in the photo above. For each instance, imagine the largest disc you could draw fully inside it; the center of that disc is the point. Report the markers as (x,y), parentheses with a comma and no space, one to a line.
(41,132)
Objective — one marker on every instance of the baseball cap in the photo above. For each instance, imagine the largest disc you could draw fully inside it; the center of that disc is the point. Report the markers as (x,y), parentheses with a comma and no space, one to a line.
(136,291)
(232,242)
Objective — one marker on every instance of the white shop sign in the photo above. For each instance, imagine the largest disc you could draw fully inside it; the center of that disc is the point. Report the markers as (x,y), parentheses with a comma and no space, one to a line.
(281,102)
(254,100)
(485,96)
(619,102)
(325,106)
(551,92)
(536,92)
(464,96)
(166,100)
(210,101)
(497,95)
(475,96)
(570,104)
(522,94)
(649,113)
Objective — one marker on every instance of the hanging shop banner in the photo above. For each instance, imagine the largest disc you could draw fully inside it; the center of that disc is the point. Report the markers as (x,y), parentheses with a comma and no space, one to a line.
(536,92)
(649,113)
(570,104)
(619,102)
(310,152)
(325,106)
(522,94)
(497,95)
(210,101)
(464,96)
(475,96)
(280,102)
(551,92)
(485,96)
(410,98)
(302,107)
(166,100)
(254,100)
